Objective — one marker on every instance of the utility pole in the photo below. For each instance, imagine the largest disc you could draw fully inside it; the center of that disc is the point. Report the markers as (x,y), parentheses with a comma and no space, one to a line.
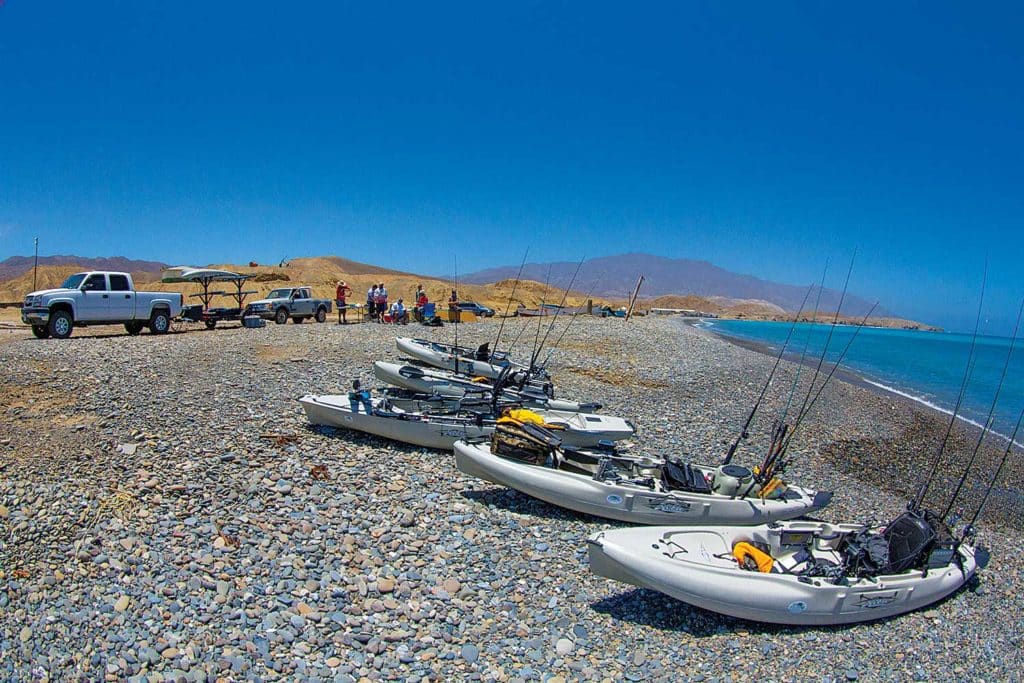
(35,266)
(632,300)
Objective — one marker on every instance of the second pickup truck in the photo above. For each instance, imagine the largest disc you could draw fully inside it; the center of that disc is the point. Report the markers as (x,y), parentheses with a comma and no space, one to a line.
(296,303)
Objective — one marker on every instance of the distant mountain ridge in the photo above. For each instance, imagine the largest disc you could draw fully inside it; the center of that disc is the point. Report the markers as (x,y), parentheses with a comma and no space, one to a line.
(666,276)
(19,265)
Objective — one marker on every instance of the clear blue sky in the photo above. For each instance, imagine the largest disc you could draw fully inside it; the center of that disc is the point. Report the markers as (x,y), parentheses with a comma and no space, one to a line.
(759,136)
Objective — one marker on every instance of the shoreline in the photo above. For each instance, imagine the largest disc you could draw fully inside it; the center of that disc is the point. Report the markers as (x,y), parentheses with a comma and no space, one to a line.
(855,378)
(330,554)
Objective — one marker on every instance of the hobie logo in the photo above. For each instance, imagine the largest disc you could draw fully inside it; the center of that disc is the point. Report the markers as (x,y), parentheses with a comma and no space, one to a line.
(797,607)
(873,600)
(671,506)
(614,499)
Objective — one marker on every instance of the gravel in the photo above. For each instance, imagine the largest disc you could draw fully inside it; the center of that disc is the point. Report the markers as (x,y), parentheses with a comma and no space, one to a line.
(166,513)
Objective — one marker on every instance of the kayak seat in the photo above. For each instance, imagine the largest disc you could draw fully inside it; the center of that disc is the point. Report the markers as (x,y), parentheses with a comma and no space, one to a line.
(677,476)
(909,537)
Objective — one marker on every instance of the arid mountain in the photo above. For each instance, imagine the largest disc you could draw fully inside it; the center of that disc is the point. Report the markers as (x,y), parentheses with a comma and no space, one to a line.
(323,273)
(19,265)
(616,276)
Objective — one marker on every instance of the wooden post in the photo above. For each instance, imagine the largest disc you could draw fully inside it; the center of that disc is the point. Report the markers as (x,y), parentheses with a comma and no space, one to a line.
(590,306)
(632,301)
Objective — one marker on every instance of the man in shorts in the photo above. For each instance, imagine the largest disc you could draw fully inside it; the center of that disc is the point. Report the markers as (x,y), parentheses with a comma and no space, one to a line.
(340,295)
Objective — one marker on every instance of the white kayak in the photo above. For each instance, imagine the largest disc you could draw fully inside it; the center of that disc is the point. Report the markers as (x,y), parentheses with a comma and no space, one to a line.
(458,358)
(439,430)
(640,490)
(816,574)
(450,384)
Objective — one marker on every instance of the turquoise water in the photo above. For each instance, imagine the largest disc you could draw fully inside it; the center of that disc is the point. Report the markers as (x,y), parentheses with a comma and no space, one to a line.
(925,366)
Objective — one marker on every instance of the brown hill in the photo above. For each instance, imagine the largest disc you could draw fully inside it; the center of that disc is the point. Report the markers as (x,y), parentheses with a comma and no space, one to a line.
(322,274)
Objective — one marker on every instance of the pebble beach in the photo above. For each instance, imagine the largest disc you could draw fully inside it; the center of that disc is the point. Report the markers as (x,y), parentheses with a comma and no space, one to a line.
(168,514)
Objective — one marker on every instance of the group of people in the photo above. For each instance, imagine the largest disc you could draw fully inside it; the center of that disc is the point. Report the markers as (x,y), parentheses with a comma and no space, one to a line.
(377,304)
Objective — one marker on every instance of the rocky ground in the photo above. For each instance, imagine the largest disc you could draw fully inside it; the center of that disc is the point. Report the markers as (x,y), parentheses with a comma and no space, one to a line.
(166,513)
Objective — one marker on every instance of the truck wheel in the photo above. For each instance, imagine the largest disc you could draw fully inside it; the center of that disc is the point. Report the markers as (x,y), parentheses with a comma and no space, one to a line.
(133,328)
(160,322)
(41,331)
(281,317)
(298,319)
(321,314)
(61,325)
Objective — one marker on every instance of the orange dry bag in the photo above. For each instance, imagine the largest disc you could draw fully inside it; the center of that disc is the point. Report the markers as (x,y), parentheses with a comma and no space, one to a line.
(752,558)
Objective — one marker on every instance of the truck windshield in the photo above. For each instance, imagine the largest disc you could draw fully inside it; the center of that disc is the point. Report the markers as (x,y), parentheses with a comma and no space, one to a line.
(74,281)
(279,294)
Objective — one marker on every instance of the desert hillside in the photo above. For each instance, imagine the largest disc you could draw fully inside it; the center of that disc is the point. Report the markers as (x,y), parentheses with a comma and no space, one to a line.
(323,272)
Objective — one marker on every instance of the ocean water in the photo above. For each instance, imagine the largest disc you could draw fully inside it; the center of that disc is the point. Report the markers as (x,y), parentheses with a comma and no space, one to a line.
(927,367)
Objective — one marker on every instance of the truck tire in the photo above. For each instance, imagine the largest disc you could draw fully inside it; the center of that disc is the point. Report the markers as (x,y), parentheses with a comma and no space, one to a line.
(61,324)
(321,314)
(159,322)
(41,331)
(298,319)
(281,317)
(133,328)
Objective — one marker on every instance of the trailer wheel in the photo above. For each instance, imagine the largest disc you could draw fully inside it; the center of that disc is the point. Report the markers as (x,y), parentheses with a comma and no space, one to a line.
(298,319)
(281,317)
(41,331)
(210,324)
(321,314)
(133,328)
(61,324)
(160,322)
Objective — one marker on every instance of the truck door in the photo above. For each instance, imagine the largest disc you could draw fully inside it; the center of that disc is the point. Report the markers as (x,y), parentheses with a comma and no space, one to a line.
(122,299)
(301,304)
(95,301)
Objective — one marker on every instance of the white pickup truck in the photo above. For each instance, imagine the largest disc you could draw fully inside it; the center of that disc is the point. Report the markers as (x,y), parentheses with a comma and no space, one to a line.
(98,298)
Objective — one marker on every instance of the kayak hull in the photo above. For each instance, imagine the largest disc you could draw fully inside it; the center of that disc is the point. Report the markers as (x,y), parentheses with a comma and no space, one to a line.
(628,502)
(696,567)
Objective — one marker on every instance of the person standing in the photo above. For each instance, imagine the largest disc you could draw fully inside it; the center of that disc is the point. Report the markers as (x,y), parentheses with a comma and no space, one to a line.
(421,302)
(340,295)
(382,302)
(371,302)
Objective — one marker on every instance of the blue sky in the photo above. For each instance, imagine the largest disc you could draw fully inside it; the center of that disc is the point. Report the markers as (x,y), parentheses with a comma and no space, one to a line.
(763,137)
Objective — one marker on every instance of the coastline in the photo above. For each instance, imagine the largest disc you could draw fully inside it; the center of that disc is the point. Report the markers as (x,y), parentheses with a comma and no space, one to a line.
(326,553)
(855,378)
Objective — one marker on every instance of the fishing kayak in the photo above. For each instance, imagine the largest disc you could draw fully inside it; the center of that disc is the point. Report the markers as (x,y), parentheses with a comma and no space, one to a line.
(794,572)
(479,361)
(452,385)
(639,490)
(442,430)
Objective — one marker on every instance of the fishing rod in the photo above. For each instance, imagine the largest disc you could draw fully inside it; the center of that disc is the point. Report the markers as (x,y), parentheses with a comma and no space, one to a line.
(540,314)
(916,503)
(511,296)
(753,411)
(779,428)
(558,310)
(807,344)
(569,324)
(454,305)
(995,477)
(781,452)
(828,339)
(522,328)
(988,419)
